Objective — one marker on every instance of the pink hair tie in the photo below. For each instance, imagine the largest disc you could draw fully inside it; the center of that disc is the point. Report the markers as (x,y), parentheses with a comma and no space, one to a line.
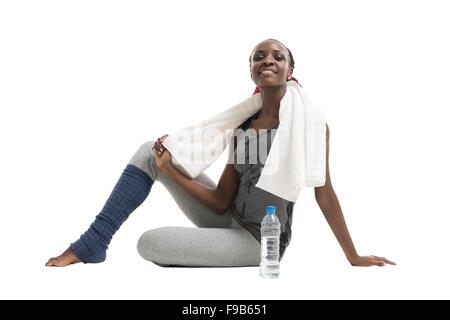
(292,78)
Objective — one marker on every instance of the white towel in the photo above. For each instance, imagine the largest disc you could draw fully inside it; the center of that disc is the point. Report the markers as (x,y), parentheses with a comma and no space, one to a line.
(297,157)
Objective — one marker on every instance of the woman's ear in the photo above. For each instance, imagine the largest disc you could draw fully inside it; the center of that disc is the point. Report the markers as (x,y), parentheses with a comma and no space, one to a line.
(291,72)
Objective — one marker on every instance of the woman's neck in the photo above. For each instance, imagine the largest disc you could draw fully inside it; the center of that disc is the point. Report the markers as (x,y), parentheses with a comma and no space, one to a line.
(271,98)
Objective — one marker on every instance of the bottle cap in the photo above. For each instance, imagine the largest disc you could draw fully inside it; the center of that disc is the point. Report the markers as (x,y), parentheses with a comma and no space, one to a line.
(270,209)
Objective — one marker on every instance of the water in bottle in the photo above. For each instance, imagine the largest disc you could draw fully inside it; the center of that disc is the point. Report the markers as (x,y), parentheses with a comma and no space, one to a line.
(270,244)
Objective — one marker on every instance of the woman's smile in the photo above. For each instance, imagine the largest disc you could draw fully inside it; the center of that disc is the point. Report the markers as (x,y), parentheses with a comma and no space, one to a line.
(266,72)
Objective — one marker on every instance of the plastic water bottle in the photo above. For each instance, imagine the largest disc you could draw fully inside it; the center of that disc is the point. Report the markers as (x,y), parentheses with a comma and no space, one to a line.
(270,244)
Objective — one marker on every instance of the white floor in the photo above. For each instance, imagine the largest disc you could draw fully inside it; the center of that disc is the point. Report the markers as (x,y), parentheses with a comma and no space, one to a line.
(314,267)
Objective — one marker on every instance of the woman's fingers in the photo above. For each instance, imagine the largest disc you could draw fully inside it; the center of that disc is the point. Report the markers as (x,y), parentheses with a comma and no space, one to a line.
(377,262)
(158,148)
(158,143)
(386,260)
(161,147)
(374,260)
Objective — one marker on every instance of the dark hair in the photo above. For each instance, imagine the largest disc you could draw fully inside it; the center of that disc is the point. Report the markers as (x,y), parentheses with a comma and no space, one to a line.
(291,57)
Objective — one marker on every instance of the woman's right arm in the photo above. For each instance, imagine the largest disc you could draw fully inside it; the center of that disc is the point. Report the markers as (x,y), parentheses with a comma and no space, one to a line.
(218,199)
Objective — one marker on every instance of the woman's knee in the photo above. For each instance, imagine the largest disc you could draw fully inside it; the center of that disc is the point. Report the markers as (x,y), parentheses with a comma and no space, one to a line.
(151,246)
(144,159)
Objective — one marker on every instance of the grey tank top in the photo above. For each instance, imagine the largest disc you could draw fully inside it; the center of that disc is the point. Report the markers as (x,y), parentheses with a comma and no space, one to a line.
(249,205)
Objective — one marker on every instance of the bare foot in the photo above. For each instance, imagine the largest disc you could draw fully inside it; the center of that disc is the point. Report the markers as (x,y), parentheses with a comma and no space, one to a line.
(68,257)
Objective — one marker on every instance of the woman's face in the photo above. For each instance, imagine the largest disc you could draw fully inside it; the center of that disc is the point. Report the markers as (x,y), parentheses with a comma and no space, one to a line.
(273,57)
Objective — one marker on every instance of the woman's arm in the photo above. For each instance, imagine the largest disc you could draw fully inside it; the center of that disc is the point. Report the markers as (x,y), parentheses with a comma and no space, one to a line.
(329,204)
(217,199)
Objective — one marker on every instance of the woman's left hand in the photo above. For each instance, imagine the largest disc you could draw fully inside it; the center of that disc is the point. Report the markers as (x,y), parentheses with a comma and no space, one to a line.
(366,261)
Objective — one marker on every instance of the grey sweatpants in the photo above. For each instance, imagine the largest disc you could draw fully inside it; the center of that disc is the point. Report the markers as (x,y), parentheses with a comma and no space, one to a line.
(216,241)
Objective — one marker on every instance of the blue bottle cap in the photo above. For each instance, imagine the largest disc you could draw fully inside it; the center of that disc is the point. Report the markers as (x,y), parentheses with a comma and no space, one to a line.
(270,209)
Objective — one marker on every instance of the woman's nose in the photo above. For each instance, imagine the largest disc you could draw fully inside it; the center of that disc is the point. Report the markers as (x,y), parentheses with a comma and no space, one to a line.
(267,60)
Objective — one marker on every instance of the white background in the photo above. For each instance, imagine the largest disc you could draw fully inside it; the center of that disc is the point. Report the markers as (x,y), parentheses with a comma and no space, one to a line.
(84,83)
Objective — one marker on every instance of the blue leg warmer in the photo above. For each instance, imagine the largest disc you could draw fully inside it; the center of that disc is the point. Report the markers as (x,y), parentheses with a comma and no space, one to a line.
(129,192)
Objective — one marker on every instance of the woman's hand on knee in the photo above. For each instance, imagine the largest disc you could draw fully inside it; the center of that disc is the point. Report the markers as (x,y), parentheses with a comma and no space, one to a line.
(162,155)
(158,147)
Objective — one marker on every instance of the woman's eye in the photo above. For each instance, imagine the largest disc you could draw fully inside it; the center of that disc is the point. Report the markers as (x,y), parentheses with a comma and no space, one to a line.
(279,58)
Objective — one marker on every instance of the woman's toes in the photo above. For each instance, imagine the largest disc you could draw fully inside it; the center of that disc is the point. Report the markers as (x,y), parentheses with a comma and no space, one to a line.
(58,262)
(50,262)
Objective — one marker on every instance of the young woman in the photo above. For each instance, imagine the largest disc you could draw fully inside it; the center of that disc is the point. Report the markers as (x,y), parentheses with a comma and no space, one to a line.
(227,215)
